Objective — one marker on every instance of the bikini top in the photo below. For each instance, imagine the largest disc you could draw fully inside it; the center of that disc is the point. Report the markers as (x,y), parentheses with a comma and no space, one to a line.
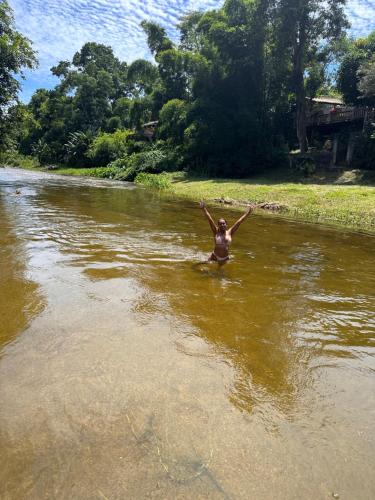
(222,240)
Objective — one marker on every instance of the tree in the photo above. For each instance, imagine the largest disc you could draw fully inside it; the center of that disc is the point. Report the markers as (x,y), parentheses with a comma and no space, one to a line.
(191,38)
(366,84)
(143,76)
(96,79)
(357,54)
(16,53)
(172,121)
(305,27)
(157,39)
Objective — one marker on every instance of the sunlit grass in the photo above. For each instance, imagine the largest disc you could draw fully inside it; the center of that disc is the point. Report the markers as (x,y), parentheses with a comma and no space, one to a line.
(347,206)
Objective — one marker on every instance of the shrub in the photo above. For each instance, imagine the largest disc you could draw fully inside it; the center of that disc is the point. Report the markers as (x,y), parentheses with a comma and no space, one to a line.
(106,148)
(14,159)
(77,147)
(42,151)
(138,146)
(127,174)
(158,181)
(113,124)
(151,160)
(147,160)
(172,122)
(303,164)
(120,163)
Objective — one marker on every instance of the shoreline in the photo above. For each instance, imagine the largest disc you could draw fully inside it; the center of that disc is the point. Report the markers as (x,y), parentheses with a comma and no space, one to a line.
(346,207)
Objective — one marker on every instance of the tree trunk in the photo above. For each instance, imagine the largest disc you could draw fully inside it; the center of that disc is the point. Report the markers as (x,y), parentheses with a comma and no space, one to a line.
(299,69)
(301,114)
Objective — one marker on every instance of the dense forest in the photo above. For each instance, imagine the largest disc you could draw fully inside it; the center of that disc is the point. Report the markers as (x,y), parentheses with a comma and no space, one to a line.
(230,97)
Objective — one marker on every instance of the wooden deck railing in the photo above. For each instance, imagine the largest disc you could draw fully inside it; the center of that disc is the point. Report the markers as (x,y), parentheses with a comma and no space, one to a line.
(341,116)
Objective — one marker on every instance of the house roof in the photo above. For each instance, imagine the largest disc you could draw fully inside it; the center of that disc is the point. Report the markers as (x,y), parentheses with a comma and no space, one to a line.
(150,124)
(328,100)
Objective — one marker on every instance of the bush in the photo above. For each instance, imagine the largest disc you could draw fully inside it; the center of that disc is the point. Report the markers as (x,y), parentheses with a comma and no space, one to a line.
(113,124)
(14,159)
(120,163)
(106,148)
(43,151)
(304,165)
(127,174)
(148,160)
(77,147)
(151,160)
(158,181)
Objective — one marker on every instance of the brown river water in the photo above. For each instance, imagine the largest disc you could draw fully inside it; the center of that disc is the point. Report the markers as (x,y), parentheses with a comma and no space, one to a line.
(127,371)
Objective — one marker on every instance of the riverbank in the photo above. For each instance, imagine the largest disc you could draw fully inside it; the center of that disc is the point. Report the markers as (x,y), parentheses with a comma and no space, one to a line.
(346,206)
(324,199)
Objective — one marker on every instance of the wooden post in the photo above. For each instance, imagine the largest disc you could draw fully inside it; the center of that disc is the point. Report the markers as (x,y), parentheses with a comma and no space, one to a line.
(350,150)
(334,149)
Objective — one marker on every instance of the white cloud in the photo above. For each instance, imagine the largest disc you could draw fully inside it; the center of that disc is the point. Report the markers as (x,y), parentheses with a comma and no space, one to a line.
(59,28)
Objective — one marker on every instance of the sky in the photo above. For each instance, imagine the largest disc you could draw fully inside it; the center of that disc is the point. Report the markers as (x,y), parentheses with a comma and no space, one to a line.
(59,28)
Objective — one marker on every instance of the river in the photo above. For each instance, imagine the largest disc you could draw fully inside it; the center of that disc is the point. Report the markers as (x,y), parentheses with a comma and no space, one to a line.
(128,372)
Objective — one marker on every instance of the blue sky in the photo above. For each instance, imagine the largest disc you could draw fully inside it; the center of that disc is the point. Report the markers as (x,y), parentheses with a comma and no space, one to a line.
(58,28)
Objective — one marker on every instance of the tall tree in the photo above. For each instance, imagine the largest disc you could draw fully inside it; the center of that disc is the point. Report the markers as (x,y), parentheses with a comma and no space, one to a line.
(366,83)
(16,54)
(357,53)
(305,27)
(157,38)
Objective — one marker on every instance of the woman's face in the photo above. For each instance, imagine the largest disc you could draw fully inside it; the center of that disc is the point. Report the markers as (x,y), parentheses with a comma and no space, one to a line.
(222,225)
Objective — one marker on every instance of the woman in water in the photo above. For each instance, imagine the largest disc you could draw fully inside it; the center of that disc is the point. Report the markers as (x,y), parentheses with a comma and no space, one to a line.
(222,235)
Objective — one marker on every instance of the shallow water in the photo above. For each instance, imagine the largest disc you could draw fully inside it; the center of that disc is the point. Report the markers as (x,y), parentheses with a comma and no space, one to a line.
(127,371)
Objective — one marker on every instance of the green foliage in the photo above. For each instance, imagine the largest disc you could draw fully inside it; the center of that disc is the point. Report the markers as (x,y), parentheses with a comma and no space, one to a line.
(152,160)
(14,159)
(178,71)
(303,165)
(355,62)
(158,181)
(121,108)
(119,164)
(113,124)
(172,121)
(140,112)
(143,76)
(77,148)
(42,151)
(366,84)
(109,147)
(156,37)
(16,54)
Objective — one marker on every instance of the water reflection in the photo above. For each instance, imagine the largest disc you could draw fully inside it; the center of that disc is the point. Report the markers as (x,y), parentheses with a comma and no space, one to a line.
(20,297)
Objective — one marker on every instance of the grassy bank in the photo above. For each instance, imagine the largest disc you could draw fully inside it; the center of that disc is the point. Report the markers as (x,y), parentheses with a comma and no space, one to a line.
(349,206)
(325,199)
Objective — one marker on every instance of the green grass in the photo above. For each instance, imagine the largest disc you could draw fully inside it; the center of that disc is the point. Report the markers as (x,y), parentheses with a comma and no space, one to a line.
(158,181)
(101,172)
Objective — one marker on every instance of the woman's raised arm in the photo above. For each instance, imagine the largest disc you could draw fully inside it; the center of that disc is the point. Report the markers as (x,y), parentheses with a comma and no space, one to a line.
(237,224)
(207,214)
